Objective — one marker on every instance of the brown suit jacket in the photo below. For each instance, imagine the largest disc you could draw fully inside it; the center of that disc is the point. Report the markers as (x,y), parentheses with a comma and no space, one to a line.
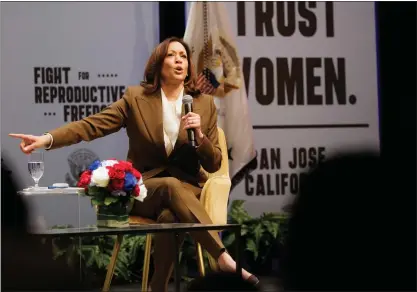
(142,116)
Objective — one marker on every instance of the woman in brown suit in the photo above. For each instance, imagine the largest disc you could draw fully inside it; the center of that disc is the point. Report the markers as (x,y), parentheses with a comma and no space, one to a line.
(158,147)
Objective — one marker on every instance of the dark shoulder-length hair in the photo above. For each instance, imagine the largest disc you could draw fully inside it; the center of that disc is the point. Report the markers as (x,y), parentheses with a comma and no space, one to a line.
(152,74)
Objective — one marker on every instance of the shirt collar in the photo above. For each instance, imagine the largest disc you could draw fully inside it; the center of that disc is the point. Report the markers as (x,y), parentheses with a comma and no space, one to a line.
(179,97)
(178,102)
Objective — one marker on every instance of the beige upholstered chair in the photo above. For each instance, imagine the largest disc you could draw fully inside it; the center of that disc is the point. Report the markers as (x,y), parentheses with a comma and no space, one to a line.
(214,197)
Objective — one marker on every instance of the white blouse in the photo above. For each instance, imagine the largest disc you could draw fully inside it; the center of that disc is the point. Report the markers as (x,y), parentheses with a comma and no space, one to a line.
(171,111)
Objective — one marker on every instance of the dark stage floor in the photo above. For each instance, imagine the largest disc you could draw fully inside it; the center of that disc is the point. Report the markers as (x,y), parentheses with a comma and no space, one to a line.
(269,284)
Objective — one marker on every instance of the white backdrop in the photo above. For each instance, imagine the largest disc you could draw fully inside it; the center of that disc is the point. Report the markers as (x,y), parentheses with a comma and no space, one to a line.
(299,34)
(107,38)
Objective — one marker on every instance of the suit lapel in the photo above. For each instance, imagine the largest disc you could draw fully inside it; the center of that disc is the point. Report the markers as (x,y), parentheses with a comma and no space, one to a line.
(151,110)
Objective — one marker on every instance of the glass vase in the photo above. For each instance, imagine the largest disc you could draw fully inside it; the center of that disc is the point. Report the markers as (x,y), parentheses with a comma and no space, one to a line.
(114,215)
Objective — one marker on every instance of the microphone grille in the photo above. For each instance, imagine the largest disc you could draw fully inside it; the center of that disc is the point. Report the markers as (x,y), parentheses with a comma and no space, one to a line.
(187,99)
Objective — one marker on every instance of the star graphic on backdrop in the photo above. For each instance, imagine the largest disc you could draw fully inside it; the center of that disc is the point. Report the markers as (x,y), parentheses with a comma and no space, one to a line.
(229,153)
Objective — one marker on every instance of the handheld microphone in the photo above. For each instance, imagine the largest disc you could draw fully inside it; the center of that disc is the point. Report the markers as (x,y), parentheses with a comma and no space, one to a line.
(187,101)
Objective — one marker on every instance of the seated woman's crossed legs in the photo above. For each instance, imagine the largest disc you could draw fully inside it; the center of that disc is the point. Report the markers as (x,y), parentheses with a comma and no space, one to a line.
(170,200)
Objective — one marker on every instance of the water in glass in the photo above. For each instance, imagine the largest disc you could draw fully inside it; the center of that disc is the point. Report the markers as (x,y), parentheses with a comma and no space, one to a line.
(36,166)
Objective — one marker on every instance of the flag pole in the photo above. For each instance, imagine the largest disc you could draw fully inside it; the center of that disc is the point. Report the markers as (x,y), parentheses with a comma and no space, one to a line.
(206,38)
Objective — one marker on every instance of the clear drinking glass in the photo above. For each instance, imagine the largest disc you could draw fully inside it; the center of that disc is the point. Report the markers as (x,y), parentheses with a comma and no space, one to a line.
(36,166)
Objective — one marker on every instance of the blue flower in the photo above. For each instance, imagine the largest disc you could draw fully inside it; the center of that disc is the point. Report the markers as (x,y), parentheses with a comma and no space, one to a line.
(130,181)
(93,166)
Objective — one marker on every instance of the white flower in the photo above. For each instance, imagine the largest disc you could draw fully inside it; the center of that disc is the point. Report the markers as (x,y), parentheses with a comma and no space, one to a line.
(143,191)
(100,177)
(108,162)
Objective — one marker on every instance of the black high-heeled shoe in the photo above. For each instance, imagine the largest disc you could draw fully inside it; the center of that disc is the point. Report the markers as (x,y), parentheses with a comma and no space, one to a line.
(253,280)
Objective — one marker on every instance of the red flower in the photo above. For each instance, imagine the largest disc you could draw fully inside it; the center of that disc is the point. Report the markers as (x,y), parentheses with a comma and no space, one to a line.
(116,172)
(84,179)
(136,191)
(117,184)
(127,166)
(118,167)
(137,174)
(111,172)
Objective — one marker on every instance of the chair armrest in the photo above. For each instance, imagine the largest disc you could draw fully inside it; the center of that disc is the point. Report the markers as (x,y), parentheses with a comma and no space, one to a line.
(215,196)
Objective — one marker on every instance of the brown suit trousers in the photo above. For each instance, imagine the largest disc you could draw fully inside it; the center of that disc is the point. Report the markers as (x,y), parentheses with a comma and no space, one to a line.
(170,200)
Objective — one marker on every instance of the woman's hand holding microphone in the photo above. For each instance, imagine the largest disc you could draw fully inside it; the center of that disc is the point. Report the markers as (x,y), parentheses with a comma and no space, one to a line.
(193,121)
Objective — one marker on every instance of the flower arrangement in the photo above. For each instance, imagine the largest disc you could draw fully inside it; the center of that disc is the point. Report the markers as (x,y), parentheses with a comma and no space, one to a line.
(112,185)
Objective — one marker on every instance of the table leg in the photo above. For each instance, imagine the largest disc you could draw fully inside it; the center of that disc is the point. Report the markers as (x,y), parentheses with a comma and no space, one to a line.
(177,264)
(238,252)
(112,264)
(146,262)
(200,259)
